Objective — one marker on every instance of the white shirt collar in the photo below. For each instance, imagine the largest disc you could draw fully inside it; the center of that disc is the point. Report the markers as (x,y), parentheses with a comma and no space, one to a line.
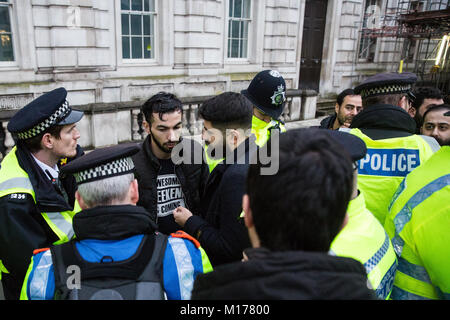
(54,172)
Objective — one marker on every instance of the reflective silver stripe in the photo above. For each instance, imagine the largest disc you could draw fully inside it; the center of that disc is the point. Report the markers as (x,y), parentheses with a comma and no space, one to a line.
(400,294)
(185,268)
(413,270)
(345,129)
(431,142)
(404,215)
(39,280)
(16,183)
(61,223)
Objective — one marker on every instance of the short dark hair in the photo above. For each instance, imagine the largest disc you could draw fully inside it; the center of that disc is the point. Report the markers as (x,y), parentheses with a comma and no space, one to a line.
(436,107)
(162,103)
(392,99)
(302,206)
(34,144)
(422,93)
(229,110)
(347,92)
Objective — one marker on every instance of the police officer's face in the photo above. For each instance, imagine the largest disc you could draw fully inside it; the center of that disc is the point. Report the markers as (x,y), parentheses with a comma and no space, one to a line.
(437,125)
(165,132)
(66,146)
(350,107)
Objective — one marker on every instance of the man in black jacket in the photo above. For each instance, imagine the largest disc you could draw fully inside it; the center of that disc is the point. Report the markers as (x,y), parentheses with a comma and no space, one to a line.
(36,202)
(165,182)
(292,217)
(348,105)
(227,130)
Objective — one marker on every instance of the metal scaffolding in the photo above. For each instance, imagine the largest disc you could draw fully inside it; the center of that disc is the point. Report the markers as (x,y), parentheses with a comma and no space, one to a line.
(420,31)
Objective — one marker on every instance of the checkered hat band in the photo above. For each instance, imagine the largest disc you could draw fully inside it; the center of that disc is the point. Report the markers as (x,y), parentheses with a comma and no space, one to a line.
(389,89)
(62,111)
(110,169)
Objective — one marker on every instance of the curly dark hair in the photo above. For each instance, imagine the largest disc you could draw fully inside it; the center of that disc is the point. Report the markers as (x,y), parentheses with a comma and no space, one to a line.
(162,103)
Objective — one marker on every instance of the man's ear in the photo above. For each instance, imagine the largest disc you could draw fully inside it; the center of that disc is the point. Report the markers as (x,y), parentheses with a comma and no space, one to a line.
(80,200)
(336,108)
(134,192)
(47,141)
(146,126)
(403,103)
(248,218)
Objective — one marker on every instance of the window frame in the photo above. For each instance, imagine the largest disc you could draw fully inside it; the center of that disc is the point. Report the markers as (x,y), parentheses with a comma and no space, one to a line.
(365,59)
(249,34)
(14,39)
(154,37)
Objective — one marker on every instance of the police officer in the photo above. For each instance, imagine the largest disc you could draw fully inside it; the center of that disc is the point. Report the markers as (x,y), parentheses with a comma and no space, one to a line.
(393,149)
(267,93)
(36,203)
(418,224)
(363,237)
(117,252)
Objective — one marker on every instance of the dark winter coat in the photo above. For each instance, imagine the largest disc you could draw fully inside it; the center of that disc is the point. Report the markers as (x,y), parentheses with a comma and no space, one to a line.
(292,275)
(192,176)
(220,230)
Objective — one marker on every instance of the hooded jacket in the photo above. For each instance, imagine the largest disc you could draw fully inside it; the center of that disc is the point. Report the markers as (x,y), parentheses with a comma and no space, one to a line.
(292,275)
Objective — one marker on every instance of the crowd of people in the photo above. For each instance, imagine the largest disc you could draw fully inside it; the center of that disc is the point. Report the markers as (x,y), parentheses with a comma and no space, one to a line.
(357,208)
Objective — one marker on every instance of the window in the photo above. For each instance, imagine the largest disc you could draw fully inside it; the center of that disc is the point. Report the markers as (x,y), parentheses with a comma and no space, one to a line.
(138,29)
(6,41)
(238,24)
(371,21)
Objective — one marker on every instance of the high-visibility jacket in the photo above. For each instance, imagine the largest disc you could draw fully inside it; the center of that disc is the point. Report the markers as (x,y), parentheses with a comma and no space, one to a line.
(261,129)
(212,163)
(385,165)
(14,180)
(364,239)
(418,224)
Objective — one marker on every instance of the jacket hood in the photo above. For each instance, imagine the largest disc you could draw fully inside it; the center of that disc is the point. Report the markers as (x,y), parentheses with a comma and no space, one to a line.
(384,116)
(286,275)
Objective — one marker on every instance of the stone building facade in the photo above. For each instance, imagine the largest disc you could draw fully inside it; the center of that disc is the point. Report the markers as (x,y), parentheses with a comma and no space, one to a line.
(111,52)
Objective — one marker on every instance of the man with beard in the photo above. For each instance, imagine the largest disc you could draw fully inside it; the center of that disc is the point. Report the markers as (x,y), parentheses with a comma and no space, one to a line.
(436,124)
(423,98)
(164,184)
(227,130)
(348,105)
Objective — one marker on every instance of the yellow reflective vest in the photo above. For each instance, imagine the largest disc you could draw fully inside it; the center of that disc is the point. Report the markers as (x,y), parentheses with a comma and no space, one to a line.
(364,239)
(261,129)
(13,179)
(419,226)
(212,163)
(385,165)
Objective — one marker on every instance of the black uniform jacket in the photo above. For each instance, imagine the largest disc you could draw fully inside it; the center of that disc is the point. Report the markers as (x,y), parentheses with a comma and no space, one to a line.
(22,227)
(289,275)
(328,122)
(384,121)
(220,231)
(192,176)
